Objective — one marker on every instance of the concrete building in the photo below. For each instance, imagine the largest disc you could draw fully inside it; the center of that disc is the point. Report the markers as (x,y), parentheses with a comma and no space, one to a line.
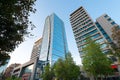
(47,50)
(100,31)
(83,26)
(36,49)
(105,24)
(32,69)
(9,70)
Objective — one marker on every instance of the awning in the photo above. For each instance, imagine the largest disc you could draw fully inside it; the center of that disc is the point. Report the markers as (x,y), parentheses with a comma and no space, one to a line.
(114,66)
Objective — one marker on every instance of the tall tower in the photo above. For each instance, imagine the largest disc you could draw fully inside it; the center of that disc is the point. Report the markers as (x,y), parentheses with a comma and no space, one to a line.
(54,43)
(48,49)
(83,26)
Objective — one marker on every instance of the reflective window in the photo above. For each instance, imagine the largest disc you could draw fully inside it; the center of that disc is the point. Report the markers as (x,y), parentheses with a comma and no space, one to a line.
(59,53)
(81,52)
(105,51)
(100,40)
(113,23)
(109,19)
(45,40)
(93,32)
(106,16)
(27,71)
(90,28)
(59,43)
(2,68)
(95,36)
(54,39)
(83,46)
(38,73)
(90,33)
(103,32)
(103,46)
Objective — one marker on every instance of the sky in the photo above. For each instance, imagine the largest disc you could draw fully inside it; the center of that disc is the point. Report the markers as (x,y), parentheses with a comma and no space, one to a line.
(63,8)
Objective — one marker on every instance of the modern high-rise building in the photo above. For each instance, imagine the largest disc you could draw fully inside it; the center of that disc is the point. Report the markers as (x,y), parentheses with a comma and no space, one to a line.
(9,70)
(32,69)
(83,26)
(105,24)
(54,43)
(48,49)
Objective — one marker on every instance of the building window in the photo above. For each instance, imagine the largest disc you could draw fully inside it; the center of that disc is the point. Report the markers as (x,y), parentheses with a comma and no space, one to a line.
(83,46)
(27,71)
(95,36)
(106,16)
(81,52)
(103,46)
(100,40)
(113,23)
(91,28)
(109,19)
(93,32)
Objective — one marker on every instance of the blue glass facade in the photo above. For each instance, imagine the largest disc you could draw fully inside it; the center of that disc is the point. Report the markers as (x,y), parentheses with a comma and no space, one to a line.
(106,36)
(103,32)
(58,45)
(2,68)
(54,43)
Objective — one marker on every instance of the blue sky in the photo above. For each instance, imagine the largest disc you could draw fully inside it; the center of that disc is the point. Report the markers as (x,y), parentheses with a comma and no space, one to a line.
(63,8)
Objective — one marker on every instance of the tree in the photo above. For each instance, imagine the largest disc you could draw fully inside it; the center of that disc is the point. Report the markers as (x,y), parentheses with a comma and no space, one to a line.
(14,23)
(115,51)
(13,78)
(95,61)
(48,73)
(116,35)
(116,44)
(60,70)
(66,69)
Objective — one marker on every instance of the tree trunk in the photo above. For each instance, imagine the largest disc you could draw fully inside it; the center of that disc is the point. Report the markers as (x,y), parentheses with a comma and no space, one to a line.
(92,78)
(105,78)
(101,77)
(95,78)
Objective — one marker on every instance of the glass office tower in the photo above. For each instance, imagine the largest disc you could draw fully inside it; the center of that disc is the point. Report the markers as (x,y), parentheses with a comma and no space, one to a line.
(48,49)
(54,43)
